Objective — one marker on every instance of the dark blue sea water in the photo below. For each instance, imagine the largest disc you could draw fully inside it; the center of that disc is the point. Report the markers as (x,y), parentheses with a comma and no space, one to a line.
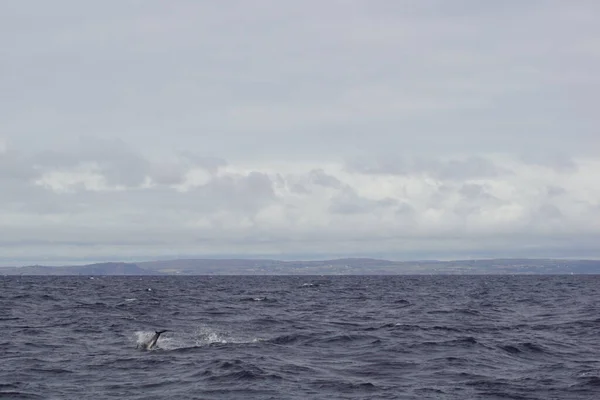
(353,337)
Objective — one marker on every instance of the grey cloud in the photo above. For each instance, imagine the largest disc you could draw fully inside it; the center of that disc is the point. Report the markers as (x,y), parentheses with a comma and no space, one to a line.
(405,209)
(471,202)
(279,180)
(243,195)
(57,159)
(382,166)
(556,161)
(299,188)
(554,191)
(208,163)
(349,202)
(304,184)
(319,177)
(246,193)
(117,161)
(22,197)
(462,199)
(472,191)
(545,213)
(142,220)
(120,164)
(440,195)
(167,173)
(15,166)
(469,168)
(239,194)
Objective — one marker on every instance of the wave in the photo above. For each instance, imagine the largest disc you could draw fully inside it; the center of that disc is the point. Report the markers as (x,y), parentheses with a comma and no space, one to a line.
(523,348)
(259,298)
(453,342)
(20,395)
(237,370)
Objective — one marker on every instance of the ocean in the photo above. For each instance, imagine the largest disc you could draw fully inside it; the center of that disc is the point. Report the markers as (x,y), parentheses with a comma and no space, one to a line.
(299,337)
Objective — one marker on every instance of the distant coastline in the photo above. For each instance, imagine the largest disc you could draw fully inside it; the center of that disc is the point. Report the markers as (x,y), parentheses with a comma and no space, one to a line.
(342,266)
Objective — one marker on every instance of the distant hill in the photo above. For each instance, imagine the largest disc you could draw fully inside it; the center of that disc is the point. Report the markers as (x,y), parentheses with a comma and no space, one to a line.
(110,268)
(343,266)
(265,267)
(353,266)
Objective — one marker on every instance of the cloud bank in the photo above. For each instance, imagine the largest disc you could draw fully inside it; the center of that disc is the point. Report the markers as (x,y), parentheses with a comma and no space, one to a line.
(106,202)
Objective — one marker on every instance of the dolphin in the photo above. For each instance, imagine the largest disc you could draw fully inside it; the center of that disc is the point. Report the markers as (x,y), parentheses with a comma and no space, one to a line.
(152,342)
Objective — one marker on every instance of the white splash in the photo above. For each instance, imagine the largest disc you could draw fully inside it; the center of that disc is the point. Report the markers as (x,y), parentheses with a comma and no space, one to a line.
(142,337)
(200,337)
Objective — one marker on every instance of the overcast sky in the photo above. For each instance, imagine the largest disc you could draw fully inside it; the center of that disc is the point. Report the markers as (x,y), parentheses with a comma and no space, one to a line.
(402,129)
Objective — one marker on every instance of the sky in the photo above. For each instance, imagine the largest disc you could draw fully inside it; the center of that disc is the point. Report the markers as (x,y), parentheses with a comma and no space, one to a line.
(426,129)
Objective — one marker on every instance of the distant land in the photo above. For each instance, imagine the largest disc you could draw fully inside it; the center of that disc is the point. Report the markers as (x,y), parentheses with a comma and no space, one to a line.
(343,266)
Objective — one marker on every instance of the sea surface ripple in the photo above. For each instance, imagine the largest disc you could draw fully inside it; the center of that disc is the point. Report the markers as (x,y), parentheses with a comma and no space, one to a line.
(299,337)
